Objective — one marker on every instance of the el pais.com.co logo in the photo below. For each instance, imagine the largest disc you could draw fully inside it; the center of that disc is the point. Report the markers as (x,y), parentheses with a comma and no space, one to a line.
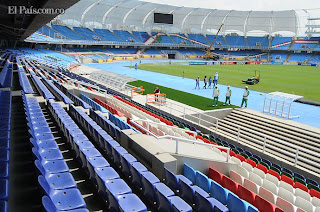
(19,10)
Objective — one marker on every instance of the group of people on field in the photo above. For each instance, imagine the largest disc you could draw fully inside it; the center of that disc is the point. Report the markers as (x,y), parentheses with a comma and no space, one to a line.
(211,81)
(216,91)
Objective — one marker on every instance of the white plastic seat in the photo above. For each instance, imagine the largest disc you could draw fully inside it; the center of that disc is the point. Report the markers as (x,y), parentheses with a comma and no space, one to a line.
(270,186)
(286,195)
(236,160)
(273,179)
(301,193)
(259,172)
(219,152)
(267,195)
(247,166)
(243,172)
(285,205)
(286,186)
(236,177)
(250,185)
(303,204)
(317,209)
(255,178)
(315,201)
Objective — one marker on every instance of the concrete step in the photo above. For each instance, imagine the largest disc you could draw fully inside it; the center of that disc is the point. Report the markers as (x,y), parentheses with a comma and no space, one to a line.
(273,134)
(276,121)
(279,130)
(276,144)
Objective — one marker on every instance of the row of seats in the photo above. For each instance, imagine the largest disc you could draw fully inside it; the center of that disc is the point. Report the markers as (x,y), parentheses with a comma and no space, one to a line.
(40,86)
(58,184)
(24,81)
(113,150)
(93,104)
(61,96)
(5,111)
(113,189)
(139,175)
(6,75)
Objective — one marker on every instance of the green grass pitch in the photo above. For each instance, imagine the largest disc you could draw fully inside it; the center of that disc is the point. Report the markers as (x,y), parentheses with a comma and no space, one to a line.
(180,96)
(300,80)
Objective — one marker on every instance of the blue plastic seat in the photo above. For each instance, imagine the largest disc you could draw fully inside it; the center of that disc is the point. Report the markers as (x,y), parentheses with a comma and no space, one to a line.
(247,152)
(126,161)
(115,188)
(103,175)
(131,202)
(310,181)
(266,161)
(277,166)
(4,170)
(287,170)
(209,204)
(51,167)
(162,192)
(299,176)
(234,203)
(116,152)
(178,205)
(136,169)
(59,181)
(189,173)
(4,189)
(172,180)
(95,162)
(47,154)
(4,206)
(88,153)
(62,200)
(202,181)
(219,193)
(257,157)
(251,208)
(110,145)
(187,191)
(4,143)
(148,181)
(4,155)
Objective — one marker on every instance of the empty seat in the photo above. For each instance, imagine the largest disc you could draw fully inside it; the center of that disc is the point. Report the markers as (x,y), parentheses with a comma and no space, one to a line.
(4,206)
(236,177)
(189,173)
(259,172)
(251,186)
(187,192)
(234,203)
(136,170)
(263,205)
(104,174)
(215,175)
(272,179)
(286,186)
(303,204)
(267,195)
(246,194)
(301,186)
(4,170)
(255,178)
(202,181)
(247,166)
(208,204)
(148,182)
(219,193)
(4,189)
(286,195)
(270,186)
(236,160)
(172,180)
(305,195)
(243,172)
(229,184)
(285,205)
(131,202)
(126,161)
(57,181)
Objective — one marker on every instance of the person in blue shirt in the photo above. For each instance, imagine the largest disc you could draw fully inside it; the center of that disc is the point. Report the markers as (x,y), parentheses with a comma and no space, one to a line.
(210,81)
(205,82)
(214,81)
(136,66)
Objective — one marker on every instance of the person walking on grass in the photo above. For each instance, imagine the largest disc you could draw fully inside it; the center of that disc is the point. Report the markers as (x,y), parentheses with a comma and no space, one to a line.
(210,81)
(215,95)
(228,95)
(205,82)
(246,94)
(197,82)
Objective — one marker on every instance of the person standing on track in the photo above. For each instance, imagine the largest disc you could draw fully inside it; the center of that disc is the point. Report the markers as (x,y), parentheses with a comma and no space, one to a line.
(217,78)
(215,95)
(205,82)
(197,82)
(210,81)
(136,66)
(245,96)
(228,95)
(214,81)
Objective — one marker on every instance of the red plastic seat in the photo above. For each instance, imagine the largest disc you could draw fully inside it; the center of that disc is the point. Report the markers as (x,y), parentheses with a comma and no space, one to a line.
(229,184)
(251,162)
(301,186)
(215,175)
(287,179)
(246,194)
(232,153)
(314,193)
(274,173)
(240,157)
(262,168)
(263,205)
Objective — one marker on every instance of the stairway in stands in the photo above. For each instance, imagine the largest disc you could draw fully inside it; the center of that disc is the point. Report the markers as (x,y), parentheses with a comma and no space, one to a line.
(286,133)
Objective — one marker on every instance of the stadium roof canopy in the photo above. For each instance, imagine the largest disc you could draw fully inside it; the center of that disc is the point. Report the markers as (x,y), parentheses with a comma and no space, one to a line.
(138,15)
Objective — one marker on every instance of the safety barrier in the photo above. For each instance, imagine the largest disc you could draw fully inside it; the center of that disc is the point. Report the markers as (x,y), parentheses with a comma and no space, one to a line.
(136,91)
(160,99)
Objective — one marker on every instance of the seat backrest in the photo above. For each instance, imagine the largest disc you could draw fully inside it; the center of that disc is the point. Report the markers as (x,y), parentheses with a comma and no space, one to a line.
(189,173)
(285,194)
(262,167)
(301,193)
(229,184)
(170,179)
(267,195)
(302,187)
(236,177)
(234,203)
(236,160)
(247,166)
(255,178)
(263,205)
(314,193)
(246,194)
(251,162)
(218,192)
(303,204)
(286,186)
(270,186)
(215,175)
(250,185)
(259,172)
(287,179)
(272,178)
(315,201)
(202,181)
(285,205)
(243,172)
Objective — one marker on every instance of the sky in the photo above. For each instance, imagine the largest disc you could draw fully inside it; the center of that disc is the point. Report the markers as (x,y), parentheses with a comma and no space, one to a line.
(261,5)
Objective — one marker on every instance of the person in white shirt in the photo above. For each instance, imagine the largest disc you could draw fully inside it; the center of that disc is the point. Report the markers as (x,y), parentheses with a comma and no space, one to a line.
(197,82)
(228,95)
(245,96)
(217,78)
(215,95)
